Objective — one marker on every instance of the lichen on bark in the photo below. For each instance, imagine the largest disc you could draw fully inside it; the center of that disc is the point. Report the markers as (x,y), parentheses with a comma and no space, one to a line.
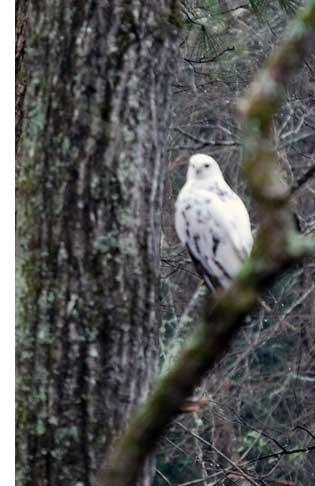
(88,212)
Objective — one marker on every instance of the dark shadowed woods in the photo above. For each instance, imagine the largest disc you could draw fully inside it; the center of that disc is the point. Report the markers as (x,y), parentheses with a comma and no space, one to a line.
(95,83)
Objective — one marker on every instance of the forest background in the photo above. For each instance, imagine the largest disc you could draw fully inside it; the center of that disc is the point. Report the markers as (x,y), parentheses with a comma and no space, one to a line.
(77,387)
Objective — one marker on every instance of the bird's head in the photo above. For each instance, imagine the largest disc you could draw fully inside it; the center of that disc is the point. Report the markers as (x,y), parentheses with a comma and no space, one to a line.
(203,167)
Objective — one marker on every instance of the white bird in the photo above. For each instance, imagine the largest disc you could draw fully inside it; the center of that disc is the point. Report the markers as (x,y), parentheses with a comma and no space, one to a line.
(213,223)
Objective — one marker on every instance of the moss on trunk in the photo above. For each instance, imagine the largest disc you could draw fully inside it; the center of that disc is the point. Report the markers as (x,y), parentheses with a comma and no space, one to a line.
(90,185)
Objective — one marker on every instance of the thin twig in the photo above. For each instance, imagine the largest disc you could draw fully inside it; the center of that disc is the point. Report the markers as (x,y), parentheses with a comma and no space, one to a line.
(159,473)
(220,453)
(205,143)
(205,60)
(281,453)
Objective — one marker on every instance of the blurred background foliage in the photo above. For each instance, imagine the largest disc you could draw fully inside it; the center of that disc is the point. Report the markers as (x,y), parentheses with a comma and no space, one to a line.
(260,414)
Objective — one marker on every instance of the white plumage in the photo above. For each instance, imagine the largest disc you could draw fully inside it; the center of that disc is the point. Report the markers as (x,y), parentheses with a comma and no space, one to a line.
(212,222)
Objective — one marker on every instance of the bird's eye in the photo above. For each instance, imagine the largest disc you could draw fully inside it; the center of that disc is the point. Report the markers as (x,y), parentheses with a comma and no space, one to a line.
(207,165)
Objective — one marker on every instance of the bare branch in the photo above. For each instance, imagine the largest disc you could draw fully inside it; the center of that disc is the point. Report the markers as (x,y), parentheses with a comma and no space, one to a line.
(303,179)
(205,60)
(220,453)
(282,453)
(159,473)
(206,143)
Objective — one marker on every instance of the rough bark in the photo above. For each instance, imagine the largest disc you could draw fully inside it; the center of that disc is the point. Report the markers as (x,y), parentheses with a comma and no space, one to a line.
(20,70)
(90,186)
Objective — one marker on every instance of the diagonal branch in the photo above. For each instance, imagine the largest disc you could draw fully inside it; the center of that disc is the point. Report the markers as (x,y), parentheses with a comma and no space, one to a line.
(286,452)
(303,179)
(205,60)
(204,143)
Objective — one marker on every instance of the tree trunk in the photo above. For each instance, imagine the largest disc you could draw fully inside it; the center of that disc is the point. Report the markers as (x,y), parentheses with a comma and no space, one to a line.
(20,70)
(90,186)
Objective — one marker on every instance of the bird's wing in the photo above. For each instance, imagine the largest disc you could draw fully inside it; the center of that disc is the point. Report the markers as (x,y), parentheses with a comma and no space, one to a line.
(216,230)
(233,231)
